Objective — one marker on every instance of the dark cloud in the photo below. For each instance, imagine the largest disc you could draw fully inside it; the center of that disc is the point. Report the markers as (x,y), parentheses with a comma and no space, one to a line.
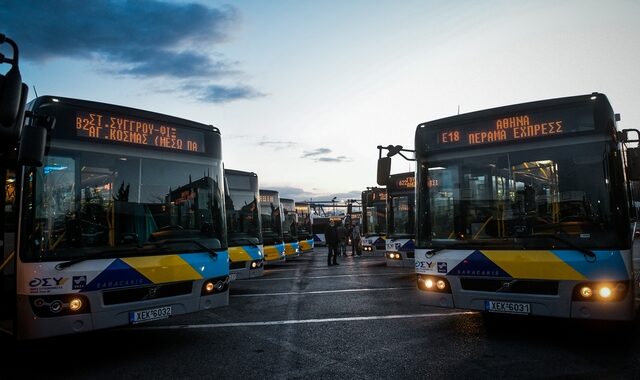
(224,94)
(315,152)
(332,159)
(143,39)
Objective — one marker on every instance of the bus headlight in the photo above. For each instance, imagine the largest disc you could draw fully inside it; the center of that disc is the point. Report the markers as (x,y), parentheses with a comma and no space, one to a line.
(45,306)
(75,304)
(601,291)
(215,285)
(433,284)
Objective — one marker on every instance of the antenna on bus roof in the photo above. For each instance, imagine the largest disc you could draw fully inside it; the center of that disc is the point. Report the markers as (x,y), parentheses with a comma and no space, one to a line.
(34,90)
(458,109)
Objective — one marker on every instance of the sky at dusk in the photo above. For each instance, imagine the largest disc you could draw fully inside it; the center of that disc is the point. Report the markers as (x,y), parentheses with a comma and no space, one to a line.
(304,91)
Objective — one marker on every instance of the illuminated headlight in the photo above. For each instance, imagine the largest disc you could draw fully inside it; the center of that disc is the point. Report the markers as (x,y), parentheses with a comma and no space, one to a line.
(605,292)
(215,285)
(254,264)
(586,292)
(434,284)
(75,304)
(601,291)
(58,305)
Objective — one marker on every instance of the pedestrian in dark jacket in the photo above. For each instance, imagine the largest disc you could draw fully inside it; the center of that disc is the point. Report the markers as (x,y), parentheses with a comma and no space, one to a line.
(331,236)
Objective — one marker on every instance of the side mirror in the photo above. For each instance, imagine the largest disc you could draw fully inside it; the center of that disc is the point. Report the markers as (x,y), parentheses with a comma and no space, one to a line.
(384,170)
(33,141)
(633,164)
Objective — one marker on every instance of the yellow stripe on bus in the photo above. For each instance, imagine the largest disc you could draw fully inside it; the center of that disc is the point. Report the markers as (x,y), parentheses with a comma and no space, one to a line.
(161,269)
(271,253)
(543,265)
(238,254)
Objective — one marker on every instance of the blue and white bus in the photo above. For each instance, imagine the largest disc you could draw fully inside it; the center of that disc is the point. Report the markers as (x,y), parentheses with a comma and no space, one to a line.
(305,232)
(271,218)
(244,228)
(124,222)
(374,221)
(401,200)
(529,209)
(290,228)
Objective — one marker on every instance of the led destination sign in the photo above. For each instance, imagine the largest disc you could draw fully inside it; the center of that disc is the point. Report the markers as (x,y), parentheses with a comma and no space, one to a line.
(124,129)
(519,127)
(512,128)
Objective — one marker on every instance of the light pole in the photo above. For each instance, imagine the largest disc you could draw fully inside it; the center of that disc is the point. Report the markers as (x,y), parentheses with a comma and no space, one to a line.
(333,201)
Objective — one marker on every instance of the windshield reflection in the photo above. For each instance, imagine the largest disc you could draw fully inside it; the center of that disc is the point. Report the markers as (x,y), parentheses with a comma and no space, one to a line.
(81,203)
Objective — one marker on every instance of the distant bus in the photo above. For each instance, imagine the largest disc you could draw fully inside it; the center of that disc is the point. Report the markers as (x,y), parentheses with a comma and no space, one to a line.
(529,209)
(401,200)
(374,220)
(244,229)
(123,224)
(271,217)
(305,233)
(289,227)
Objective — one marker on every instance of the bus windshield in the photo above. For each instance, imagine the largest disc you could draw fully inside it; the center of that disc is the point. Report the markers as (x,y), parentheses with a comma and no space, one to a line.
(522,196)
(84,203)
(243,223)
(376,218)
(271,220)
(401,214)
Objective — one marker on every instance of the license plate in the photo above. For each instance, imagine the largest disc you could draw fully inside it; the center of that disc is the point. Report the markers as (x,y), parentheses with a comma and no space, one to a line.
(150,314)
(233,276)
(507,307)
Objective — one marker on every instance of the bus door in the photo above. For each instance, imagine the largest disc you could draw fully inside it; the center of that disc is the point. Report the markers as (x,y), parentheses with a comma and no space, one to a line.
(9,215)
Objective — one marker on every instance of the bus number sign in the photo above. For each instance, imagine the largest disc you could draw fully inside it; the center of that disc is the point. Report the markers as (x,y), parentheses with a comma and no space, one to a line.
(107,127)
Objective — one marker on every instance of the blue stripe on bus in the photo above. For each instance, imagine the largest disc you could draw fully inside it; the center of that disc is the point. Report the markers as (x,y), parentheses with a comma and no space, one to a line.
(608,265)
(207,265)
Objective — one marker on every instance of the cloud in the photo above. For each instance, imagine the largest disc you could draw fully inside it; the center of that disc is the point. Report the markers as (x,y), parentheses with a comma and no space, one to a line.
(278,145)
(316,152)
(141,39)
(332,159)
(313,155)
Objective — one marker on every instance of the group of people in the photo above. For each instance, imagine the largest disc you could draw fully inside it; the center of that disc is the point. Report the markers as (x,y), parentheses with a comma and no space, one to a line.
(336,237)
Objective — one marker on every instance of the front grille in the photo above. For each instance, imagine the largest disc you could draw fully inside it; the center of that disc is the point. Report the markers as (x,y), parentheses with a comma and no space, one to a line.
(510,286)
(115,297)
(236,264)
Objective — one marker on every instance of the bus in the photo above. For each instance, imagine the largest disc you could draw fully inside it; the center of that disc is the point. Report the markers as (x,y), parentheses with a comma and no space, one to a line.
(123,223)
(244,229)
(305,232)
(272,236)
(374,220)
(529,209)
(401,200)
(289,227)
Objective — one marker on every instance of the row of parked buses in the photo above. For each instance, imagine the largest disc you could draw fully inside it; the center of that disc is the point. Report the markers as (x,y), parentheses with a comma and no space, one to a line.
(115,216)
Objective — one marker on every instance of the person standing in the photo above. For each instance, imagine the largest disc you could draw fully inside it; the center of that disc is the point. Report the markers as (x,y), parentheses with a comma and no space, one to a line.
(331,235)
(355,240)
(342,239)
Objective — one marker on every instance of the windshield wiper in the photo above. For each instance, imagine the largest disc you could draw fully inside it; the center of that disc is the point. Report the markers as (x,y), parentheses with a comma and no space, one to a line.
(97,255)
(137,248)
(236,240)
(458,244)
(585,251)
(179,241)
